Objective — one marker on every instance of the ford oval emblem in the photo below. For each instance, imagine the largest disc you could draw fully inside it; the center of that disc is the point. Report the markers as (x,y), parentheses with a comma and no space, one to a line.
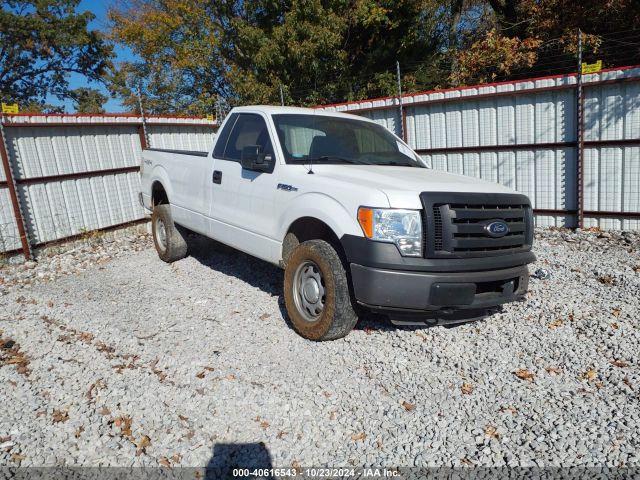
(496,228)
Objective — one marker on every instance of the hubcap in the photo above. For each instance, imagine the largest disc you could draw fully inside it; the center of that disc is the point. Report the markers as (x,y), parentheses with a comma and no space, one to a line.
(161,234)
(308,291)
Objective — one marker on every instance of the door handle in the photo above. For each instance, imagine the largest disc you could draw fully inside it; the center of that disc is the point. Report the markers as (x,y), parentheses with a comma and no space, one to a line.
(217,176)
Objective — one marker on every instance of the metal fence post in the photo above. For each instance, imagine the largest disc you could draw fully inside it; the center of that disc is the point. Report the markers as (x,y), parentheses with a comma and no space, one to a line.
(144,137)
(580,138)
(401,111)
(13,194)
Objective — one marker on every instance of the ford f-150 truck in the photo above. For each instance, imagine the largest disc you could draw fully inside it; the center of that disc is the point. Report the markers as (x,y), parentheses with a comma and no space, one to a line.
(351,214)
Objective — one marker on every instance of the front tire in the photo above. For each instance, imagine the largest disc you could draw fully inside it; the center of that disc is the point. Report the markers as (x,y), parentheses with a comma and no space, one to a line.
(316,292)
(168,239)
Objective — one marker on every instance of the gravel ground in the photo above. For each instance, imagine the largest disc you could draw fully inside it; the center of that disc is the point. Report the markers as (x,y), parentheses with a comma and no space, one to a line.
(111,357)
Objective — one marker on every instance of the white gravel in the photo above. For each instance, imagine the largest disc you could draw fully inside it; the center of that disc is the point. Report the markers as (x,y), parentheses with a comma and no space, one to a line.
(120,359)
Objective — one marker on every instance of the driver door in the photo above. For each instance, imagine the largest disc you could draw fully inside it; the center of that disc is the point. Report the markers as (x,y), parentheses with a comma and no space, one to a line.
(242,197)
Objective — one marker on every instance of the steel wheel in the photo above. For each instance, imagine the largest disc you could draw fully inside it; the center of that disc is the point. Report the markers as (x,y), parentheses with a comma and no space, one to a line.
(161,234)
(308,291)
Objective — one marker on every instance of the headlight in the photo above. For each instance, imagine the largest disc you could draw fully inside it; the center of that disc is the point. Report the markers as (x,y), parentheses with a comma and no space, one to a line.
(402,227)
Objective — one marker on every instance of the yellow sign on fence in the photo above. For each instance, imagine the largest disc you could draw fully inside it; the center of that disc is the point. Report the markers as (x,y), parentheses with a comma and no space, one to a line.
(9,108)
(210,118)
(591,67)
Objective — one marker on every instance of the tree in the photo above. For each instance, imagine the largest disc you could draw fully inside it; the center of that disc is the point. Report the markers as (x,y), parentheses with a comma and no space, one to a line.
(316,51)
(88,100)
(536,37)
(42,42)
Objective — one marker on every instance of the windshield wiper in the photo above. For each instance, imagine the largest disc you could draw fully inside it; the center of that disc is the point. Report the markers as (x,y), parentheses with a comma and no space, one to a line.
(334,158)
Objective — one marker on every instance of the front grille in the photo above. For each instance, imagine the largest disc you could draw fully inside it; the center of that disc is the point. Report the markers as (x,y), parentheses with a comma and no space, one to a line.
(437,227)
(456,226)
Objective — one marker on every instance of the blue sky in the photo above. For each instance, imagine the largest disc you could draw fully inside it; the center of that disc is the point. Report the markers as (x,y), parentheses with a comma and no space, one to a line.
(99,9)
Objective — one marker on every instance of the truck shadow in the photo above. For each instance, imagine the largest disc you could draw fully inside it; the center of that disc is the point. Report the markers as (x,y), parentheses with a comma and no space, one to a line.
(232,262)
(227,458)
(269,279)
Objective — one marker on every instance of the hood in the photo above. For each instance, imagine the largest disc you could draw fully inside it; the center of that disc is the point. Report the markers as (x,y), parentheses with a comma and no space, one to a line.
(402,185)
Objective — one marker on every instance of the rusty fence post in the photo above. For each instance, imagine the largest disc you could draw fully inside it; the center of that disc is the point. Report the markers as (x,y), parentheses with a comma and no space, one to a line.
(13,194)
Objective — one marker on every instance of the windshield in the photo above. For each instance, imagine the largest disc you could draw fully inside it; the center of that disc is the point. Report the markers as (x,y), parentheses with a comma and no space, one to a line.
(323,139)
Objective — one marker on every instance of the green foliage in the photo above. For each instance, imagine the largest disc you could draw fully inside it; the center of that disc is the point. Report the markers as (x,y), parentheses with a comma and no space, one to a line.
(41,43)
(317,51)
(322,51)
(88,100)
(538,37)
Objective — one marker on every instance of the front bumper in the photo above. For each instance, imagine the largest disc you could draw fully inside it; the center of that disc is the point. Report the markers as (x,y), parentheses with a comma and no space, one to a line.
(383,289)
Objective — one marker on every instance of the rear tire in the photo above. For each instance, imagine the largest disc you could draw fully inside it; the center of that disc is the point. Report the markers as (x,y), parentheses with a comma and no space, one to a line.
(316,292)
(168,238)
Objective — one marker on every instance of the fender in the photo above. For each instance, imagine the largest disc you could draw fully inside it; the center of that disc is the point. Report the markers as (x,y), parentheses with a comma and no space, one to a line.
(159,174)
(322,207)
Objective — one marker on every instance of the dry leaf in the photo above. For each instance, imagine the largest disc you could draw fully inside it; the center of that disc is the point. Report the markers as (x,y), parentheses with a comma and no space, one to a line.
(60,416)
(627,382)
(555,324)
(231,376)
(408,406)
(124,423)
(142,445)
(164,461)
(176,458)
(491,431)
(619,363)
(332,415)
(466,388)
(636,269)
(79,431)
(510,409)
(16,457)
(616,312)
(105,411)
(200,375)
(264,316)
(615,326)
(553,370)
(50,304)
(183,418)
(524,374)
(85,337)
(590,374)
(326,394)
(357,437)
(264,424)
(281,434)
(606,279)
(368,330)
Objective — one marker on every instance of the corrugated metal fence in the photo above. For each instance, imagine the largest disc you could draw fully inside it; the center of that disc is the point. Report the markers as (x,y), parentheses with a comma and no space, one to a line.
(524,134)
(77,173)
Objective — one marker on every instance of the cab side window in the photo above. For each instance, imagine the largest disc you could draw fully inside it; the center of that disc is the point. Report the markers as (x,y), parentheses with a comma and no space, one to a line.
(249,129)
(223,136)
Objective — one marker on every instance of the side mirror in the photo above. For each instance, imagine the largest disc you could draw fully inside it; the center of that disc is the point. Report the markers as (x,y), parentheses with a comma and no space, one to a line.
(253,159)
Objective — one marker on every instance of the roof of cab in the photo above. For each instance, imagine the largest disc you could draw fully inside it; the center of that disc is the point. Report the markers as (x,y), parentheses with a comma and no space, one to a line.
(275,109)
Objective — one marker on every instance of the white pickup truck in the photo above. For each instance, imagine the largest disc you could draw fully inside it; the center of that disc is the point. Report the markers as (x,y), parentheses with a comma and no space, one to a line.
(350,213)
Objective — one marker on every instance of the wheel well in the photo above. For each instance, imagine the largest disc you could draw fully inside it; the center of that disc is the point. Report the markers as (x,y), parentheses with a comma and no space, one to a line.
(158,194)
(308,228)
